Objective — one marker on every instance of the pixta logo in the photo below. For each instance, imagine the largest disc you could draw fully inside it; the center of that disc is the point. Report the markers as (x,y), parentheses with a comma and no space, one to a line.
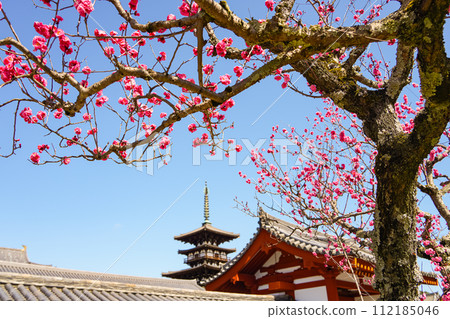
(149,158)
(284,146)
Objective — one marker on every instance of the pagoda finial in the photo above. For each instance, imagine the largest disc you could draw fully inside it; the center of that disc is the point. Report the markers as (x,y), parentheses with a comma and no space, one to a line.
(206,206)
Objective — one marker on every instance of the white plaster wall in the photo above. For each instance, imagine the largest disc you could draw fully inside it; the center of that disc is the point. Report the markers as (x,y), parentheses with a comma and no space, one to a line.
(274,259)
(263,287)
(312,294)
(286,270)
(260,274)
(307,279)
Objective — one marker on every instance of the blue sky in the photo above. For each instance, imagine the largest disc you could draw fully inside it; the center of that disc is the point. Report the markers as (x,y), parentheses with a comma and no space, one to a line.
(86,215)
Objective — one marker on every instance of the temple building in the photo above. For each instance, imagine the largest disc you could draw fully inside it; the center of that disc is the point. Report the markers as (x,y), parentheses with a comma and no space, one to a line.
(207,257)
(292,264)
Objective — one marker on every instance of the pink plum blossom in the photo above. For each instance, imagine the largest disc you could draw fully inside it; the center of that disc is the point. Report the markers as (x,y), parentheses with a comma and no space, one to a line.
(47,2)
(164,142)
(269,4)
(41,115)
(227,105)
(101,100)
(87,116)
(58,113)
(109,52)
(39,44)
(188,10)
(64,44)
(162,56)
(43,147)
(391,42)
(133,4)
(192,128)
(45,30)
(35,157)
(221,47)
(208,69)
(26,114)
(84,7)
(225,79)
(86,70)
(238,70)
(74,66)
(123,101)
(92,132)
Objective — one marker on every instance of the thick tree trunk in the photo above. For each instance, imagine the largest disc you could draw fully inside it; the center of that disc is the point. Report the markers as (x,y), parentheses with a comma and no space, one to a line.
(420,26)
(397,275)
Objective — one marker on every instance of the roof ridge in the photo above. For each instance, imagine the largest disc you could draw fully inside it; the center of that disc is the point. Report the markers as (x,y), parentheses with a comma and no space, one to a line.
(18,255)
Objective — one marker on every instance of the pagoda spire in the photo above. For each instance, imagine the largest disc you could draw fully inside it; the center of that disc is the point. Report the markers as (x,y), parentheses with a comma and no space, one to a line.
(206,206)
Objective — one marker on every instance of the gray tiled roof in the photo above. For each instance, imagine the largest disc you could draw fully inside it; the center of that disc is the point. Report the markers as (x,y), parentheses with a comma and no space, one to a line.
(54,272)
(316,241)
(21,280)
(18,287)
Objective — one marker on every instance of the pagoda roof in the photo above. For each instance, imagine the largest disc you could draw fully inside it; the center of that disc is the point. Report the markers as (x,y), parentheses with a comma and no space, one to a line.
(197,235)
(193,272)
(206,246)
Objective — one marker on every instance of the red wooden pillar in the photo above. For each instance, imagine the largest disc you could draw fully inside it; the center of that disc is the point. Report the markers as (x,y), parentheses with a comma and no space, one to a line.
(332,292)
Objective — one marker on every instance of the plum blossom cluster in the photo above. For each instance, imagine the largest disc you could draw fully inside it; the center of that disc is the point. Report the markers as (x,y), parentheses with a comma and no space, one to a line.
(331,169)
(133,4)
(270,4)
(330,181)
(12,67)
(279,75)
(374,12)
(220,48)
(84,7)
(48,32)
(428,230)
(188,9)
(406,112)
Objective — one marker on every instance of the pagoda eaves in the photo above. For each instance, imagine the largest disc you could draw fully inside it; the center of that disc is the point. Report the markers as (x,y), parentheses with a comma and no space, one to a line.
(202,271)
(206,233)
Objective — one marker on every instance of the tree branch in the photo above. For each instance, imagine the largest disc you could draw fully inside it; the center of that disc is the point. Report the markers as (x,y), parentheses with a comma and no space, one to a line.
(401,72)
(157,25)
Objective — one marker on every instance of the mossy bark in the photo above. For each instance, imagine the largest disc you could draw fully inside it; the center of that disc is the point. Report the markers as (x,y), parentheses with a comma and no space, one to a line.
(397,275)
